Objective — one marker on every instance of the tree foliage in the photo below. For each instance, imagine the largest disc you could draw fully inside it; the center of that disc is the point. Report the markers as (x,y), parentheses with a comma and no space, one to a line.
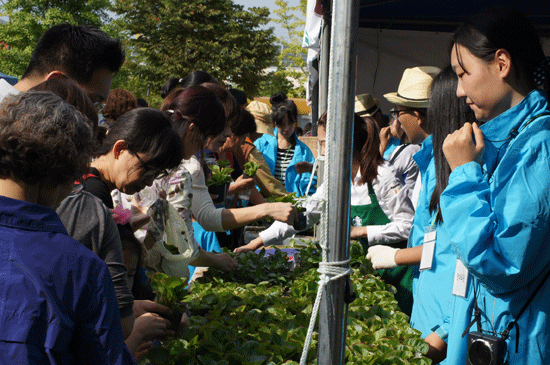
(291,73)
(27,20)
(171,38)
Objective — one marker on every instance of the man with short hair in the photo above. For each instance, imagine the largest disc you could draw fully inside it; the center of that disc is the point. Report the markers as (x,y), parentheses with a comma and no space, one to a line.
(82,53)
(89,57)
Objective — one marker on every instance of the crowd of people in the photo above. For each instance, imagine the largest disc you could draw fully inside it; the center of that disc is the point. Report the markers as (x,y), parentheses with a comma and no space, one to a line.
(449,195)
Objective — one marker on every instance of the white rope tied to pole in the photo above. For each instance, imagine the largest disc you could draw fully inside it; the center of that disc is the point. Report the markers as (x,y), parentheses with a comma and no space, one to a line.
(328,271)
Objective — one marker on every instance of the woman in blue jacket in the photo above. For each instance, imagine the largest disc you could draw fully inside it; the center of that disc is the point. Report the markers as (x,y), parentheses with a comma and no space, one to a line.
(431,308)
(496,206)
(284,152)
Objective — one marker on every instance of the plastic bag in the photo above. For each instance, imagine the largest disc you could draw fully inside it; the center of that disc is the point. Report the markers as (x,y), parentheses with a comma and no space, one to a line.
(169,232)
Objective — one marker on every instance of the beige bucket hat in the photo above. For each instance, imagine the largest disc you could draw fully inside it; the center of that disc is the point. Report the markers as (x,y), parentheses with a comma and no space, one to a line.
(366,105)
(414,88)
(262,116)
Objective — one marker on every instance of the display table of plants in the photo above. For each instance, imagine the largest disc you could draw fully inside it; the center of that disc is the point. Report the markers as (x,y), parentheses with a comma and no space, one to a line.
(259,314)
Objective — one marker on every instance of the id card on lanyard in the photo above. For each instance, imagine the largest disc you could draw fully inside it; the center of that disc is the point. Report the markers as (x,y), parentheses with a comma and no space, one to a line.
(460,282)
(428,246)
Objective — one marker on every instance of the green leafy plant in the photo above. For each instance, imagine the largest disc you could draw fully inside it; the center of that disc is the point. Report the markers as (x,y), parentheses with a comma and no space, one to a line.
(236,320)
(220,175)
(170,290)
(250,168)
(223,163)
(254,268)
(297,202)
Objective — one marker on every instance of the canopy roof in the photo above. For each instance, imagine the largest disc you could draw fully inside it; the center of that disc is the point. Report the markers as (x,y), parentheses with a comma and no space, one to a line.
(442,16)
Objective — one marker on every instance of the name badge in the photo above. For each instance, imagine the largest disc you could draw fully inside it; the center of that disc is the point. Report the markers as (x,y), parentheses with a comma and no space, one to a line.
(460,280)
(428,250)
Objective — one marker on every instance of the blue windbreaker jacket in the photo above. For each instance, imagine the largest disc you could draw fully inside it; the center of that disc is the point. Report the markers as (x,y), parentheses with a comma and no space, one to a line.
(498,218)
(294,182)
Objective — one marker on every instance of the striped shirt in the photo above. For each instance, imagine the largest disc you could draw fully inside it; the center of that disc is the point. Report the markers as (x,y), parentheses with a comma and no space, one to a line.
(283,160)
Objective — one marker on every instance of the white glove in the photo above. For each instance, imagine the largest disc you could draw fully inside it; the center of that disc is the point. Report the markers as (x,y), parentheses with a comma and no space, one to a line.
(382,257)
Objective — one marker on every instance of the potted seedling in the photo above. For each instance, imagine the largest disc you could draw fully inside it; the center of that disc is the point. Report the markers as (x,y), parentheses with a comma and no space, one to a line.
(250,169)
(219,180)
(170,291)
(298,203)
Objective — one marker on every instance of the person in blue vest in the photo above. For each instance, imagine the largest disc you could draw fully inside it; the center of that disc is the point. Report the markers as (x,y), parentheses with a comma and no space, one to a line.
(288,158)
(496,206)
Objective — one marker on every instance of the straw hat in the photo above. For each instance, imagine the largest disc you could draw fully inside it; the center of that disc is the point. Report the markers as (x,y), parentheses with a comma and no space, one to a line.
(366,105)
(262,116)
(414,88)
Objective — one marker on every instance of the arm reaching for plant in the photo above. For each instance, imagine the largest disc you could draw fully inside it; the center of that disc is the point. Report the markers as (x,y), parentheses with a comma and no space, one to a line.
(251,246)
(241,184)
(222,260)
(233,218)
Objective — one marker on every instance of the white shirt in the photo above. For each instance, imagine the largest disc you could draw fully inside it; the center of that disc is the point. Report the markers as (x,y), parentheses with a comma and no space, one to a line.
(405,166)
(6,89)
(391,196)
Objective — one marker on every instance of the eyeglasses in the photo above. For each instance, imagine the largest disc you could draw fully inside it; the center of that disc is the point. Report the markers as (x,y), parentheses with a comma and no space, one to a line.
(395,113)
(151,172)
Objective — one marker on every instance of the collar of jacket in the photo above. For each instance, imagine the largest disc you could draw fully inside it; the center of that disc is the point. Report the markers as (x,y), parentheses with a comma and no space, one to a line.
(500,131)
(22,214)
(425,154)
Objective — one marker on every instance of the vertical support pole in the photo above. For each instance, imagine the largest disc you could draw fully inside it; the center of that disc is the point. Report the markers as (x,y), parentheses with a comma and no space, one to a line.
(341,90)
(315,107)
(323,62)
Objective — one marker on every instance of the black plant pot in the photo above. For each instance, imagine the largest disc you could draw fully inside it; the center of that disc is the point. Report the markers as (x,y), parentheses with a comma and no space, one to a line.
(220,191)
(301,222)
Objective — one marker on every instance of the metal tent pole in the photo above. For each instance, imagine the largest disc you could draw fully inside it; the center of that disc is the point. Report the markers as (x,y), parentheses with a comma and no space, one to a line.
(341,91)
(323,61)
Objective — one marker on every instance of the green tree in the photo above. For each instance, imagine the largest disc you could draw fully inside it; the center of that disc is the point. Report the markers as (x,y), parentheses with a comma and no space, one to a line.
(27,20)
(171,38)
(291,63)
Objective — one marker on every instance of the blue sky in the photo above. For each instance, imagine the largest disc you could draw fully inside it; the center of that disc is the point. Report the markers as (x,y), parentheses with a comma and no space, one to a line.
(271,5)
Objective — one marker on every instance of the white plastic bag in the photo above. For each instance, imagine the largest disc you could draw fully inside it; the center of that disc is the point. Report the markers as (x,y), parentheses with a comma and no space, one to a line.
(168,228)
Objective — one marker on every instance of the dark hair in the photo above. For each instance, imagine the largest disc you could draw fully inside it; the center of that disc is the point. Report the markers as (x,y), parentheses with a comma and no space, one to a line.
(281,107)
(196,105)
(240,96)
(142,103)
(118,102)
(194,78)
(244,124)
(503,28)
(322,122)
(147,131)
(73,94)
(446,114)
(366,147)
(229,103)
(43,138)
(78,50)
